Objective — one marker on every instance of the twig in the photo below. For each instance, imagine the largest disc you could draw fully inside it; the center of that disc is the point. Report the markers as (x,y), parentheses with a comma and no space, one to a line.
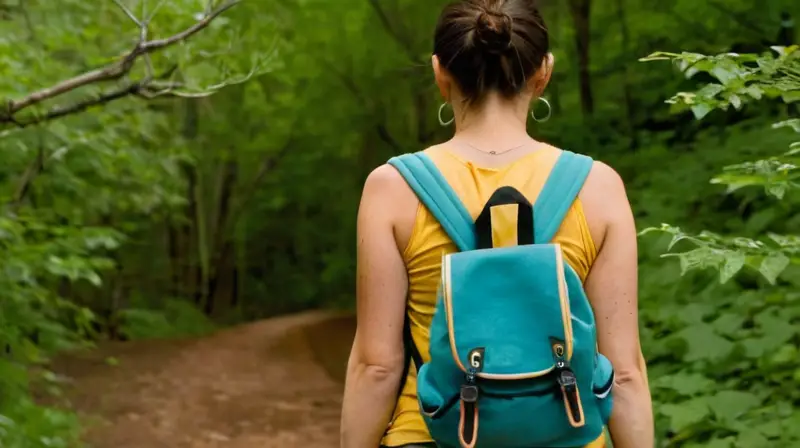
(158,44)
(392,30)
(148,66)
(158,6)
(128,12)
(110,72)
(34,169)
(743,21)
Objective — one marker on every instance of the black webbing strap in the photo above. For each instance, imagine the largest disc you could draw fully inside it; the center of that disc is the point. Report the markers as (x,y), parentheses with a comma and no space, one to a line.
(411,354)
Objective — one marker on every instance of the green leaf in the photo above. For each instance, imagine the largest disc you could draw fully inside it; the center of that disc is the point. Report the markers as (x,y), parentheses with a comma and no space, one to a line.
(701,110)
(753,439)
(777,189)
(793,123)
(734,262)
(773,265)
(728,405)
(728,324)
(702,257)
(786,355)
(735,101)
(659,56)
(685,384)
(727,442)
(775,329)
(703,343)
(685,414)
(756,348)
(94,278)
(791,97)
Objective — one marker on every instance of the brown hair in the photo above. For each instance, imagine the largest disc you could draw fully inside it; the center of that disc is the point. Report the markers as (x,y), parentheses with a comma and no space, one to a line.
(491,45)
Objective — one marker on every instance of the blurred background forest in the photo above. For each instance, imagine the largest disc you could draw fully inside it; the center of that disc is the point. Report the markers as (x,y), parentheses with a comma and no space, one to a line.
(202,166)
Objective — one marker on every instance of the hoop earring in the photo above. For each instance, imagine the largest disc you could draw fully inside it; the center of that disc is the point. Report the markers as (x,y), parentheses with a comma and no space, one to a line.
(441,120)
(549,111)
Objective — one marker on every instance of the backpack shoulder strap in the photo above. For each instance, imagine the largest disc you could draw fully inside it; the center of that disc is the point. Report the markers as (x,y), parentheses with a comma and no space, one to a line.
(441,200)
(559,192)
(438,196)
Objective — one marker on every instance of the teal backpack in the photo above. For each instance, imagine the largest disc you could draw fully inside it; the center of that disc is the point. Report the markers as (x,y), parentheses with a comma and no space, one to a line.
(513,351)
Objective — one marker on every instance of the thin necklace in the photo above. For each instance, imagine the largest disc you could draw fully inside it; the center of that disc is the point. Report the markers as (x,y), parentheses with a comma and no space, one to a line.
(495,153)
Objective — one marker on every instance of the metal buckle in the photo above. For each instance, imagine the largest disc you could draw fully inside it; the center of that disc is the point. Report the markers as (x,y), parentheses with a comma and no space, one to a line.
(469,393)
(566,379)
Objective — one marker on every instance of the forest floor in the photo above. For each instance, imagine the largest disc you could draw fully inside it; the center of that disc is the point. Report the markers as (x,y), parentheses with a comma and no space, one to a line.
(273,383)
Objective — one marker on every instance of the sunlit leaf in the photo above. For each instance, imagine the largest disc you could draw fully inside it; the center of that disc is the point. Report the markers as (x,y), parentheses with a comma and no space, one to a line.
(734,262)
(773,265)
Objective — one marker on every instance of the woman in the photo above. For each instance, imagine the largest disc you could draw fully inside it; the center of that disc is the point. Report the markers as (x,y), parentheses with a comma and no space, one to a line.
(491,62)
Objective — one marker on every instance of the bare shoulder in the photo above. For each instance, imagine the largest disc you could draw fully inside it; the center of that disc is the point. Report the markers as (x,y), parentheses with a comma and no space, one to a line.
(604,200)
(606,179)
(386,194)
(384,180)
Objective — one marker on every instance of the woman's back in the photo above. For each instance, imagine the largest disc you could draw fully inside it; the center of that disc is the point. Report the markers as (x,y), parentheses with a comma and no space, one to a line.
(423,241)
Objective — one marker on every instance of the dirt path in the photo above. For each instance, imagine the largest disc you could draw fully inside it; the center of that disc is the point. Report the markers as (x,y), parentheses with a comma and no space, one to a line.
(274,383)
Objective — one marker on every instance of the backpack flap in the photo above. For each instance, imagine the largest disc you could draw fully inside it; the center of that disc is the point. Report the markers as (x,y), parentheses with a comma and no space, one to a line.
(519,336)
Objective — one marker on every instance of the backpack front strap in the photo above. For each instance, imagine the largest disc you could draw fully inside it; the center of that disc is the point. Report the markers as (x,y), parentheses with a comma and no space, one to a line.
(559,192)
(468,424)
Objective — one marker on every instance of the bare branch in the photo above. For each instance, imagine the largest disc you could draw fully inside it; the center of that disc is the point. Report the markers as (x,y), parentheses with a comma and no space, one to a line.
(158,44)
(81,106)
(127,12)
(145,88)
(110,72)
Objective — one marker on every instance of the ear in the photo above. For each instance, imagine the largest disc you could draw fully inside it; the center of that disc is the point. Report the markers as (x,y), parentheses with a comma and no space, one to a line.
(541,78)
(442,78)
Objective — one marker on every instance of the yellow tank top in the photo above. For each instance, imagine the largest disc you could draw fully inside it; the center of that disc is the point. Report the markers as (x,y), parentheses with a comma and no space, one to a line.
(428,242)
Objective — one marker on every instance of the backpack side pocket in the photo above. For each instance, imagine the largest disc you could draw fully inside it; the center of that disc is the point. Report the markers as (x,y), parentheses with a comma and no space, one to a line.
(602,386)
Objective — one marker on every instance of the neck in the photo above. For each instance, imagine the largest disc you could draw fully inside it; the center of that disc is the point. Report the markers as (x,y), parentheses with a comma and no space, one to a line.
(495,120)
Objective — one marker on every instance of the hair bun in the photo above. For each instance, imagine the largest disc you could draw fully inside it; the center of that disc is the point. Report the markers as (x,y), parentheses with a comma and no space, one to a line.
(493,31)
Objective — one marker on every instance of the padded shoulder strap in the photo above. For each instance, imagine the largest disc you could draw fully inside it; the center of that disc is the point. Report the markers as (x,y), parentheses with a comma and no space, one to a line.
(438,196)
(559,192)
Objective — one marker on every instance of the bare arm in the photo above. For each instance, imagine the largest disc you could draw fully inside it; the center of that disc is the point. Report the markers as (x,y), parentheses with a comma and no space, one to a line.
(612,288)
(376,360)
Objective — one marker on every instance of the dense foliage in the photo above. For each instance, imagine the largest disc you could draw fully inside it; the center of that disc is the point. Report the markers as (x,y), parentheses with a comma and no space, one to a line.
(727,365)
(183,184)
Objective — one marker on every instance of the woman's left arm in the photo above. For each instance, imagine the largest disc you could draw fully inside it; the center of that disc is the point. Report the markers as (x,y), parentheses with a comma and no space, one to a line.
(377,356)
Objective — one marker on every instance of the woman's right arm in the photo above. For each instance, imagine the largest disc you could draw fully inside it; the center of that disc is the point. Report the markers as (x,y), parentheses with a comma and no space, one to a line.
(612,289)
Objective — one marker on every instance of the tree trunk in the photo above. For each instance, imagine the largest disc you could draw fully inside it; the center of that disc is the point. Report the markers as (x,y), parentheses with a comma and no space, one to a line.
(580,11)
(626,81)
(189,235)
(555,97)
(221,241)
